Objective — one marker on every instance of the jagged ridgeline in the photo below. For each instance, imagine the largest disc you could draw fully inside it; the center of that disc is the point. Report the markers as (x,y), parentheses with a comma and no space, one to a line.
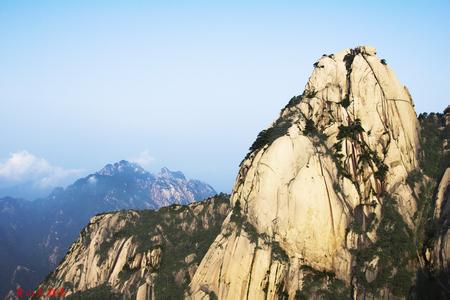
(331,201)
(140,253)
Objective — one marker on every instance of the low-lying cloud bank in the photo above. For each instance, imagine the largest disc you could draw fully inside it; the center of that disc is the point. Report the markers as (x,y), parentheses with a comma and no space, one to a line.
(25,171)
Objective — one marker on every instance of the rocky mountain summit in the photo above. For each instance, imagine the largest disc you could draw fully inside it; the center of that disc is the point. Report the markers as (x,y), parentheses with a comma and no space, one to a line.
(126,185)
(331,201)
(344,196)
(50,225)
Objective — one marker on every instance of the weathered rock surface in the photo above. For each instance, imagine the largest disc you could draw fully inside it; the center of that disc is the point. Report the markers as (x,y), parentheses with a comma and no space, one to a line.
(50,225)
(140,254)
(317,188)
(433,280)
(441,251)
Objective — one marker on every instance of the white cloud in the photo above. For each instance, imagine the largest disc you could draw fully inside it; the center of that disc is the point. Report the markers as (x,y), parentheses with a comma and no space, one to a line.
(24,167)
(144,159)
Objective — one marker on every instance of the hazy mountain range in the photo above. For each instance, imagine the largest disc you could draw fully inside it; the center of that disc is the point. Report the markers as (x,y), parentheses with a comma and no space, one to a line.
(34,235)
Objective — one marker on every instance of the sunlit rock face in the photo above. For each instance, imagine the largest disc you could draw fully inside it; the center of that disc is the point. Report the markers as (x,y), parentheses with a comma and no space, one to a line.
(315,188)
(139,254)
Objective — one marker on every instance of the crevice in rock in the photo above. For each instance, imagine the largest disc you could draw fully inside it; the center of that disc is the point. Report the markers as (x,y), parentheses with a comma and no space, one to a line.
(251,269)
(116,259)
(329,202)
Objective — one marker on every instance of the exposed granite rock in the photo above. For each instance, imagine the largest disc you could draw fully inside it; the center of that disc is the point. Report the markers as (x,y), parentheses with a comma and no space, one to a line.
(140,254)
(317,189)
(433,280)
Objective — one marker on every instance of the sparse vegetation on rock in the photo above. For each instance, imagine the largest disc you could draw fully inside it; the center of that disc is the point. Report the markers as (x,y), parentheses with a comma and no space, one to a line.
(160,244)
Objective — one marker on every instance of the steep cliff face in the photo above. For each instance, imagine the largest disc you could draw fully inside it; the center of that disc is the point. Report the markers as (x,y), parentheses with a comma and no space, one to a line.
(433,280)
(321,202)
(140,254)
(440,256)
(433,276)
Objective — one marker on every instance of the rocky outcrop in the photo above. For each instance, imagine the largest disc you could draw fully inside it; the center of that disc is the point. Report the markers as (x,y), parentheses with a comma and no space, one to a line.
(440,256)
(433,275)
(50,225)
(435,147)
(140,254)
(321,202)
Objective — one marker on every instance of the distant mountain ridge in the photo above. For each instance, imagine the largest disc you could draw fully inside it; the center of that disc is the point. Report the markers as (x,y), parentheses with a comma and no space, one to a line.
(49,225)
(127,185)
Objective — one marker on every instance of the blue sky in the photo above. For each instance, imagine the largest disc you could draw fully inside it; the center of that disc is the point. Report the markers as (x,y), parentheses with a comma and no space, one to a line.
(188,84)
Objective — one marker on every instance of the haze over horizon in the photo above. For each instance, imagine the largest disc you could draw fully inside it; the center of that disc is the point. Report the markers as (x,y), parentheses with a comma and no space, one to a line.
(187,86)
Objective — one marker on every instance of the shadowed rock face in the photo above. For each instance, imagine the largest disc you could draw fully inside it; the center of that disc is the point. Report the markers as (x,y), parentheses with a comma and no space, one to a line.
(320,188)
(440,256)
(433,276)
